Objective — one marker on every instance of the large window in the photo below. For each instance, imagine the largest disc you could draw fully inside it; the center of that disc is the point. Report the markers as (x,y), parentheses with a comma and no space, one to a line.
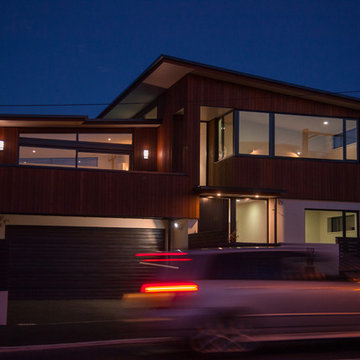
(324,226)
(284,135)
(253,133)
(309,137)
(111,151)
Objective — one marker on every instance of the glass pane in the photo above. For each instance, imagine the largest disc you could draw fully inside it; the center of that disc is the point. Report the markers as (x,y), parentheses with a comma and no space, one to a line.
(50,136)
(228,135)
(46,157)
(351,224)
(323,226)
(220,129)
(251,221)
(351,140)
(308,136)
(203,153)
(253,133)
(125,139)
(103,161)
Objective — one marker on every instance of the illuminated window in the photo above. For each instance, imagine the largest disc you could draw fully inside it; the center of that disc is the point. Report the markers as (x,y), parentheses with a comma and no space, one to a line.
(110,151)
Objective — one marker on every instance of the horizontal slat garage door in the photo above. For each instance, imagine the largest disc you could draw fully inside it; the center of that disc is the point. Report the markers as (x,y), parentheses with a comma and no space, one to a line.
(47,262)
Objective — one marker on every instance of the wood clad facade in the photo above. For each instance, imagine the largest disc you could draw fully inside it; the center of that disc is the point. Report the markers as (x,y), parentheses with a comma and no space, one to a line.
(298,178)
(162,186)
(34,190)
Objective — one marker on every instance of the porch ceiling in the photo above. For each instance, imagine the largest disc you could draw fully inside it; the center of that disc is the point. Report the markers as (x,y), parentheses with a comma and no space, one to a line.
(237,192)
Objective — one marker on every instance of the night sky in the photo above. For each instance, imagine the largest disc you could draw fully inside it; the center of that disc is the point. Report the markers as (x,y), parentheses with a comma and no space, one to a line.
(89,51)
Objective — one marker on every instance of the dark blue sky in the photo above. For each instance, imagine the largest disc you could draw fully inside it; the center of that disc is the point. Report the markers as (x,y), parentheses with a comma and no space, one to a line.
(88,51)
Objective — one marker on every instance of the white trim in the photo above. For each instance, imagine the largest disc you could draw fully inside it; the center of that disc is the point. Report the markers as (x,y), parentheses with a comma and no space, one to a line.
(40,220)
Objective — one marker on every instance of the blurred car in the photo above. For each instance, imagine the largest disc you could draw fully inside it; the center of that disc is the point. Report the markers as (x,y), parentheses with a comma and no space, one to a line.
(233,299)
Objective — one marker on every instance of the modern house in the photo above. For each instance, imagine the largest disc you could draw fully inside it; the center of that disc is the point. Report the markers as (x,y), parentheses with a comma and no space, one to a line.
(188,156)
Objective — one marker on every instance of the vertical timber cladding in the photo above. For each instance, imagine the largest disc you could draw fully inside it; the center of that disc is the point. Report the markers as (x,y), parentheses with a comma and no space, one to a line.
(48,262)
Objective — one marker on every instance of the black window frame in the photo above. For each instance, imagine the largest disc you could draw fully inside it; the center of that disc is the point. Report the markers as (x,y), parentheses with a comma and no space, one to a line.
(78,146)
(272,125)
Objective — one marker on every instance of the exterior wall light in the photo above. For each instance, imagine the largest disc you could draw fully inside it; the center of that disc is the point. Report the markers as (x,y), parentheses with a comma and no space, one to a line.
(176,225)
(1,145)
(146,154)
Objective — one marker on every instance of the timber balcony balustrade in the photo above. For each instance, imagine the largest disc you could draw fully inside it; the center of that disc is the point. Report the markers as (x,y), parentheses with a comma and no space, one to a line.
(296,178)
(57,191)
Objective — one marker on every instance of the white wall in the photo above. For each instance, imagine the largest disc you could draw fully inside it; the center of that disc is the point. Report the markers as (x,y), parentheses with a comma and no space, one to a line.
(291,217)
(39,220)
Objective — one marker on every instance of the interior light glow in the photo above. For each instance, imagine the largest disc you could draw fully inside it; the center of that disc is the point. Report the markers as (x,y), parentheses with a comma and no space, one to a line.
(257,196)
(169,287)
(109,139)
(1,145)
(218,194)
(146,154)
(325,122)
(162,254)
(34,151)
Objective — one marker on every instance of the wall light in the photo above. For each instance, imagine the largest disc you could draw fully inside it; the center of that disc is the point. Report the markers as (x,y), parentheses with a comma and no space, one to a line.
(218,194)
(146,154)
(325,122)
(1,145)
(176,225)
(257,196)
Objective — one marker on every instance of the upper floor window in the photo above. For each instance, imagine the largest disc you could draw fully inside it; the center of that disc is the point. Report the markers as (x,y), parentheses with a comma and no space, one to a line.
(225,133)
(298,136)
(111,151)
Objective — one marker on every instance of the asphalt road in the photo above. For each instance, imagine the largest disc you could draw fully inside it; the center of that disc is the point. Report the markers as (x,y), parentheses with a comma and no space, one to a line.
(339,350)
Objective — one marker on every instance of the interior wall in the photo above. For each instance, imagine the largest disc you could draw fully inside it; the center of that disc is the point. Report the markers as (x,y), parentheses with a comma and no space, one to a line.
(251,221)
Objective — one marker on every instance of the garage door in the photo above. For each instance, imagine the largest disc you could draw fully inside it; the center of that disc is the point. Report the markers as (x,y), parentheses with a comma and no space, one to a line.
(47,262)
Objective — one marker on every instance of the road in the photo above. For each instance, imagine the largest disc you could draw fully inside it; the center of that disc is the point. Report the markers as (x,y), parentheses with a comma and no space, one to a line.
(339,350)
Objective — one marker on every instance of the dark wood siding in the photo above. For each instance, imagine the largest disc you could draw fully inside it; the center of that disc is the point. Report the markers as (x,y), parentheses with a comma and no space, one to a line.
(3,264)
(10,153)
(48,262)
(145,139)
(32,190)
(209,92)
(298,178)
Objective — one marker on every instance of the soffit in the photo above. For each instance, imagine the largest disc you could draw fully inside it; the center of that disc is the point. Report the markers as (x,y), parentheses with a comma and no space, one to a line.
(166,71)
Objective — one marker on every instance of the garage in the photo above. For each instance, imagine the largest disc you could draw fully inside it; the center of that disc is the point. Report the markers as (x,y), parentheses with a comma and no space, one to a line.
(52,262)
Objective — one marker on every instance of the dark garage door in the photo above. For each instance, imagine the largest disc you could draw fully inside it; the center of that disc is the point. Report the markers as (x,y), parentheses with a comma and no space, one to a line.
(47,262)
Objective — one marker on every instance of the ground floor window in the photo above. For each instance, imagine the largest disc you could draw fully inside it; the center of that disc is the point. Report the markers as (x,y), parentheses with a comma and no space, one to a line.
(324,226)
(241,220)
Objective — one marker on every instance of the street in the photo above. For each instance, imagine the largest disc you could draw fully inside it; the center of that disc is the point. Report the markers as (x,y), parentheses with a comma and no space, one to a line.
(339,350)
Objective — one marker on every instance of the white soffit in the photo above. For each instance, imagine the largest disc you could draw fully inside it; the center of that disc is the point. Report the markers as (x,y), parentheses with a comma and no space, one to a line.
(167,74)
(39,123)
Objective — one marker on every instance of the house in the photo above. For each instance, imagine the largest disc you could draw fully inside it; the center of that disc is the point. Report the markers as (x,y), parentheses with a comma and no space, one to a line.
(188,156)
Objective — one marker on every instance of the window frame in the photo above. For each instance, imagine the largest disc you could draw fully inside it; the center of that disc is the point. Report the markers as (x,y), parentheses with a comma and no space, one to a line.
(78,146)
(235,137)
(271,139)
(343,217)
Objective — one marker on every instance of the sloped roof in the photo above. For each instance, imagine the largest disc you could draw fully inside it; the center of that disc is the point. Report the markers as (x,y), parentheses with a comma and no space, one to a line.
(167,70)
